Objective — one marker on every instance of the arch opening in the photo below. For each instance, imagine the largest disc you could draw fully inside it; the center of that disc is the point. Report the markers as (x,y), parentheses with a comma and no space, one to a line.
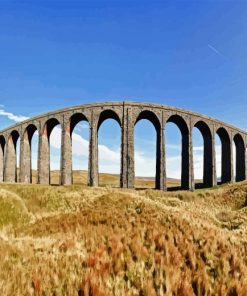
(224,160)
(202,155)
(108,114)
(79,132)
(239,158)
(29,159)
(50,153)
(173,148)
(218,158)
(54,133)
(147,137)
(184,151)
(12,157)
(109,148)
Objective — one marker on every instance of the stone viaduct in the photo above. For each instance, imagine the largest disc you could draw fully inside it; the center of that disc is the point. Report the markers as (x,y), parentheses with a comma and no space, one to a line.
(127,114)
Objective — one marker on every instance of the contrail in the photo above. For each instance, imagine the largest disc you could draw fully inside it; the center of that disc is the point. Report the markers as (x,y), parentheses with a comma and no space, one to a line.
(215,50)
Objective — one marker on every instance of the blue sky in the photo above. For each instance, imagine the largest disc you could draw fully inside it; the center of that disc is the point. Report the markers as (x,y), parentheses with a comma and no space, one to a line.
(189,54)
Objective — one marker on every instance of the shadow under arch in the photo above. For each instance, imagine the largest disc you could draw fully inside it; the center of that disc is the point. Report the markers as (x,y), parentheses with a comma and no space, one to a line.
(182,125)
(11,157)
(207,154)
(49,126)
(240,157)
(2,154)
(30,130)
(152,117)
(108,114)
(103,117)
(26,154)
(75,119)
(225,154)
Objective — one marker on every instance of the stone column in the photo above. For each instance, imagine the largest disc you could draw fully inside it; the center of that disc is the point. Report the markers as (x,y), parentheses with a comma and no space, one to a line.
(214,173)
(187,162)
(226,160)
(124,151)
(66,155)
(44,158)
(10,161)
(191,163)
(130,158)
(245,159)
(25,159)
(232,177)
(240,159)
(1,162)
(93,175)
(160,161)
(208,161)
(164,155)
(127,178)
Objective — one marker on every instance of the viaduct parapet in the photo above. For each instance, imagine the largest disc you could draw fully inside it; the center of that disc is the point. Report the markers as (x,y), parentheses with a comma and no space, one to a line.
(127,114)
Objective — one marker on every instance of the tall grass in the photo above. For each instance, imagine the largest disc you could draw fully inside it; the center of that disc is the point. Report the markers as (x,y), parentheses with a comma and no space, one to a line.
(76,240)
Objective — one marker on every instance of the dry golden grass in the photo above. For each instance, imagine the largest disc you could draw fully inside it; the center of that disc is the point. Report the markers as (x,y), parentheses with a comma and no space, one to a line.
(76,240)
(80,177)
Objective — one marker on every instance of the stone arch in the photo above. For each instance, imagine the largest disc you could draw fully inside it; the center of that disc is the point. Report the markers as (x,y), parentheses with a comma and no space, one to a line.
(75,119)
(180,122)
(2,153)
(226,161)
(103,117)
(153,118)
(26,153)
(240,157)
(125,114)
(30,130)
(44,176)
(108,114)
(49,126)
(11,157)
(207,152)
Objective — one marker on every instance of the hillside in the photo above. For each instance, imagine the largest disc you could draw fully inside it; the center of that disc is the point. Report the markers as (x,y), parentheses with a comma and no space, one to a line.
(77,240)
(80,178)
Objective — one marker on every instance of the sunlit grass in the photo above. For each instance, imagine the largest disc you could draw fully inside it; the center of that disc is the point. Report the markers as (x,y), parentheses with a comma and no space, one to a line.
(76,240)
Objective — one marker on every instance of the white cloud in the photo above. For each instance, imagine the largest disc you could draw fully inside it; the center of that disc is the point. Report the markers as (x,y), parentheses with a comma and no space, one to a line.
(198,148)
(11,116)
(81,126)
(80,145)
(55,139)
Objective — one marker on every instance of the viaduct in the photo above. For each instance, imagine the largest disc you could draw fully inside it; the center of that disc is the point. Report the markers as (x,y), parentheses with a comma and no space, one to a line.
(127,114)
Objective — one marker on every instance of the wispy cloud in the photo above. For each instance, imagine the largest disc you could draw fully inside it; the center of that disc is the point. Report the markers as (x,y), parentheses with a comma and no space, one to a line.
(11,116)
(215,50)
(82,126)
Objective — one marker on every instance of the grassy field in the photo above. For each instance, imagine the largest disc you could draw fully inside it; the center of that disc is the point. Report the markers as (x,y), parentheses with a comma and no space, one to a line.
(80,178)
(77,240)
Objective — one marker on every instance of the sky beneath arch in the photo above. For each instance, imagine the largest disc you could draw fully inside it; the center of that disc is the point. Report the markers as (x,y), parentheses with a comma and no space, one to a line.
(188,54)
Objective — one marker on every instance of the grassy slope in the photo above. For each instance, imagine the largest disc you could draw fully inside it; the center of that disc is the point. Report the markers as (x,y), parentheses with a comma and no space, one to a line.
(105,241)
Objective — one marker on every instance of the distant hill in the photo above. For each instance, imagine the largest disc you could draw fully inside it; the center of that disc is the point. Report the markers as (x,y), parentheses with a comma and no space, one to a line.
(80,177)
